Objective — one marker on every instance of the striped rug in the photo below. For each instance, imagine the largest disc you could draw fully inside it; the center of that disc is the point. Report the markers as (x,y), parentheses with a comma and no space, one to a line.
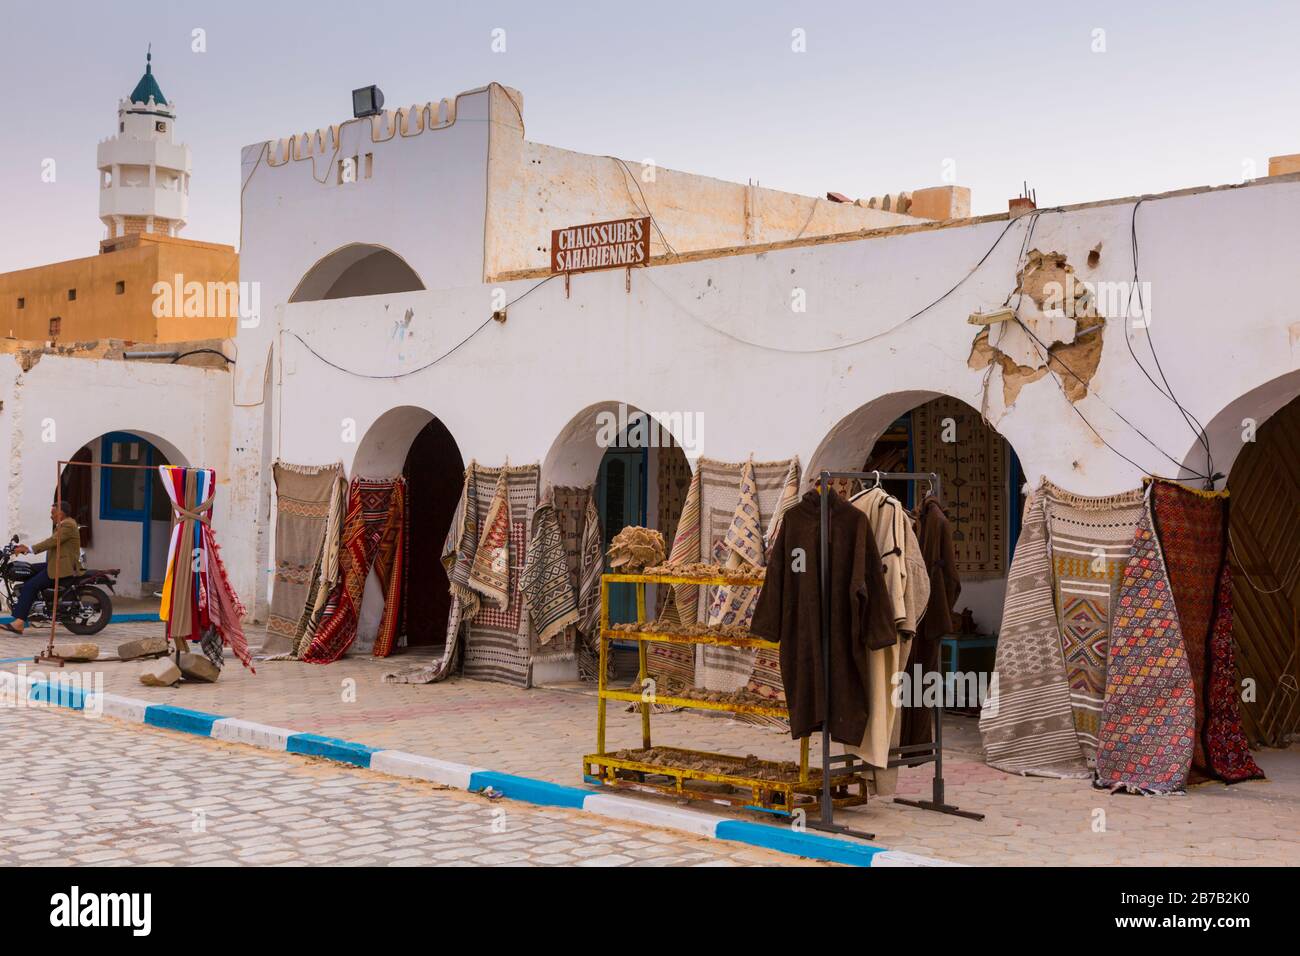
(1089,539)
(1026,721)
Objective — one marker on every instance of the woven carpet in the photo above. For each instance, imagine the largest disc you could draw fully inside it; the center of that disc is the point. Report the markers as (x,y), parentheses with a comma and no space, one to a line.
(1089,541)
(741,506)
(1226,747)
(546,584)
(974,472)
(1026,721)
(302,503)
(1193,530)
(575,510)
(1149,718)
(325,570)
(372,538)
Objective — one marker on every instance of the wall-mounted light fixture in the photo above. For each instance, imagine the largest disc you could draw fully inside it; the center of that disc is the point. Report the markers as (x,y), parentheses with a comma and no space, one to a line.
(367,101)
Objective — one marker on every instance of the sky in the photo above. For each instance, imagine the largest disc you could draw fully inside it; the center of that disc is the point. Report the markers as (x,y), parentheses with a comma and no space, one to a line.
(1082,101)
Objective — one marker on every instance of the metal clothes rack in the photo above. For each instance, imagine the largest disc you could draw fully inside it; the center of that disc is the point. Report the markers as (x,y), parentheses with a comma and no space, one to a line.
(910,755)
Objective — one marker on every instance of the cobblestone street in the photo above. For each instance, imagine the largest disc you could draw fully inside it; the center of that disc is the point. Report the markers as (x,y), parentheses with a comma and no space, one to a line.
(543,733)
(78,791)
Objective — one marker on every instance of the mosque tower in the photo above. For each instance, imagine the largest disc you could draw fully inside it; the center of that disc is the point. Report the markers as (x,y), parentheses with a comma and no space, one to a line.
(144,175)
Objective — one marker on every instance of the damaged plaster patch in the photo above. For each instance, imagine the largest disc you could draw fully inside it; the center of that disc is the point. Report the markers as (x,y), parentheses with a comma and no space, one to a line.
(1061,314)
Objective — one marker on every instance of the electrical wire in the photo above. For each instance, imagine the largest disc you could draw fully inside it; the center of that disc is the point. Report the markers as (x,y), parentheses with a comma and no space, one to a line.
(843,345)
(427,365)
(1202,437)
(645,202)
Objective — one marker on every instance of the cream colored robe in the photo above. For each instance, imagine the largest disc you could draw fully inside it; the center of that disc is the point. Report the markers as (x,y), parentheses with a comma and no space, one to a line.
(909,589)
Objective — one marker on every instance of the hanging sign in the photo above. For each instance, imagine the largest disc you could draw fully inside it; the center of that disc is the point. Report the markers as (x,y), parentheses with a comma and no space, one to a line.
(617,244)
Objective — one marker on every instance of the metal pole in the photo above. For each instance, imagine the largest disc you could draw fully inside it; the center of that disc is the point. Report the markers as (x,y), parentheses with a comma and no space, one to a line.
(823,548)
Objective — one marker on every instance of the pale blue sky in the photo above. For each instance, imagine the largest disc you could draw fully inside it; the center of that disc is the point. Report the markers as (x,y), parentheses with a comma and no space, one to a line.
(1184,95)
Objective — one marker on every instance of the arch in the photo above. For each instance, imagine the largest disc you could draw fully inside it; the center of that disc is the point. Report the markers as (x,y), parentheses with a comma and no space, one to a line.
(412,442)
(634,463)
(1228,432)
(357,269)
(993,517)
(124,515)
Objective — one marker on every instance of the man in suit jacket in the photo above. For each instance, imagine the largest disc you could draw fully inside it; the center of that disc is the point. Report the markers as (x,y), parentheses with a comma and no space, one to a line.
(68,564)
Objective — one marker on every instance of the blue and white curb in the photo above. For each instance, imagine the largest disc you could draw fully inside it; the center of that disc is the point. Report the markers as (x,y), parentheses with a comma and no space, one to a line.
(396,763)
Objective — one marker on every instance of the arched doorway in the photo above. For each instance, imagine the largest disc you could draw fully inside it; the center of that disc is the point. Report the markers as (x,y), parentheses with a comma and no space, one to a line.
(635,466)
(412,443)
(434,474)
(981,484)
(124,513)
(1264,529)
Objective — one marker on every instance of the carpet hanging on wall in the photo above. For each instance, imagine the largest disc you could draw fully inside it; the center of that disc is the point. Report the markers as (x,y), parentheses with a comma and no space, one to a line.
(1026,721)
(1148,720)
(303,497)
(546,586)
(198,600)
(1089,539)
(1193,530)
(372,538)
(488,635)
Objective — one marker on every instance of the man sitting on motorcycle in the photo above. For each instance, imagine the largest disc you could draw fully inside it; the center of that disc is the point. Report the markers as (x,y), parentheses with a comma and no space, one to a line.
(68,537)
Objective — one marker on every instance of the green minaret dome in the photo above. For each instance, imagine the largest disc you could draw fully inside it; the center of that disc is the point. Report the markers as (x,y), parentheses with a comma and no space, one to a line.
(148,86)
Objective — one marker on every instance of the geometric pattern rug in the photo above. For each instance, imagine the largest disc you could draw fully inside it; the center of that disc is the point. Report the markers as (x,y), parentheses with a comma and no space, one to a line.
(1149,717)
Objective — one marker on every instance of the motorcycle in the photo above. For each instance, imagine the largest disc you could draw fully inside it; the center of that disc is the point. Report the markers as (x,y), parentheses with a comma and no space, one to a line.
(84,607)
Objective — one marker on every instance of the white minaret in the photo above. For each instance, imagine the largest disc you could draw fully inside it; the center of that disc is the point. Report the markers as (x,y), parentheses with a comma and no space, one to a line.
(144,176)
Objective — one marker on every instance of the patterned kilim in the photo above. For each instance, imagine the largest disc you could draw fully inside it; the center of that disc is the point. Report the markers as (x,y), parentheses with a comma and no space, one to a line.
(372,538)
(325,574)
(1149,718)
(302,509)
(672,667)
(1089,540)
(1026,720)
(736,500)
(496,640)
(489,575)
(1226,747)
(546,584)
(974,472)
(1193,530)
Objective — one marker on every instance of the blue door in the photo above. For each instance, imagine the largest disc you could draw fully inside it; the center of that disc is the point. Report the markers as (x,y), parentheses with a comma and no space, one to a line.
(621,501)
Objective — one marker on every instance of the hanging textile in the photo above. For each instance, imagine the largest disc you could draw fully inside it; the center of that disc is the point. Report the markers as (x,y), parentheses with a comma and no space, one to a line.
(895,540)
(672,667)
(489,574)
(1026,721)
(934,533)
(372,538)
(197,596)
(546,583)
(325,571)
(302,494)
(951,439)
(1192,527)
(1089,539)
(1226,747)
(790,612)
(486,641)
(591,563)
(1148,720)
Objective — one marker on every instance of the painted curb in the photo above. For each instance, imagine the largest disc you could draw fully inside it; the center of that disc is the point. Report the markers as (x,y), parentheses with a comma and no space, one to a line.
(397,763)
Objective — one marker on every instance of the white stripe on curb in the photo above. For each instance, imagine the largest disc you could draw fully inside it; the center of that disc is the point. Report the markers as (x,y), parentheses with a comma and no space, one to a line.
(247,732)
(399,764)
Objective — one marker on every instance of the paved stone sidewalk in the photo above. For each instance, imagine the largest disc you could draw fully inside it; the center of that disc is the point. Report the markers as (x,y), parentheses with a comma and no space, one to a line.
(86,792)
(543,733)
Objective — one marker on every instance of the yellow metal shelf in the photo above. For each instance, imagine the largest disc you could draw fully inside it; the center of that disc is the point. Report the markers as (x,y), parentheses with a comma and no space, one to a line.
(780,791)
(633,697)
(669,637)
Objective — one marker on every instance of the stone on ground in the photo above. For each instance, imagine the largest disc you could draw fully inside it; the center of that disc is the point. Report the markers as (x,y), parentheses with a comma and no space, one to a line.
(160,673)
(198,667)
(81,651)
(145,647)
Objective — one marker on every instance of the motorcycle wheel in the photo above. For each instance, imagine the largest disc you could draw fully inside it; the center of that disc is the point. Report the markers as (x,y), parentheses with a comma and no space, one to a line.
(100,606)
